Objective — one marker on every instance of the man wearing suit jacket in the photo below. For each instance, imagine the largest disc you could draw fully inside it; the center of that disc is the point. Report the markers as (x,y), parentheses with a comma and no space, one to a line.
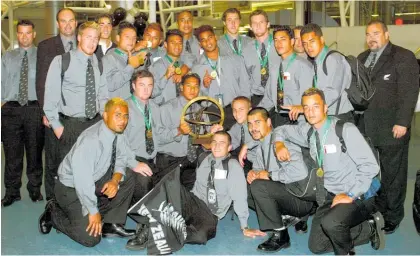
(47,50)
(387,121)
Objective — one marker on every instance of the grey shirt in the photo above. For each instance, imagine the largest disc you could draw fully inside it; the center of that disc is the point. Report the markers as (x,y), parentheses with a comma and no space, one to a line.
(298,76)
(235,134)
(66,42)
(136,127)
(196,50)
(89,160)
(118,73)
(350,172)
(335,83)
(232,78)
(164,89)
(230,187)
(73,89)
(253,66)
(226,47)
(11,64)
(265,159)
(156,54)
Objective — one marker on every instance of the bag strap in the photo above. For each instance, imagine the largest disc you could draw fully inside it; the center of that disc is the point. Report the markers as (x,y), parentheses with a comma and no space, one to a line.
(65,63)
(225,164)
(309,135)
(100,66)
(339,127)
(324,64)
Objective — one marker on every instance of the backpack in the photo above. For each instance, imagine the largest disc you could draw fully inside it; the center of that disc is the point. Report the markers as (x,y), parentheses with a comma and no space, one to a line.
(65,63)
(376,184)
(416,202)
(361,89)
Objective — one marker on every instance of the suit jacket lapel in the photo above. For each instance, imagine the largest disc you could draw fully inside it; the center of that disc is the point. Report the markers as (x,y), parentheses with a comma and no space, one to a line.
(382,59)
(59,45)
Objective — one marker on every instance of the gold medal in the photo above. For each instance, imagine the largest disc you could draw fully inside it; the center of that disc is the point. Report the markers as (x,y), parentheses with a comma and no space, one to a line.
(263,71)
(178,71)
(320,172)
(149,134)
(280,95)
(213,74)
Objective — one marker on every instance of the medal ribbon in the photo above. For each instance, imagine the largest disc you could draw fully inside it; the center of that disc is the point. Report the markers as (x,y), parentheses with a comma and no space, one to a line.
(176,64)
(281,82)
(320,155)
(320,61)
(239,52)
(149,119)
(263,62)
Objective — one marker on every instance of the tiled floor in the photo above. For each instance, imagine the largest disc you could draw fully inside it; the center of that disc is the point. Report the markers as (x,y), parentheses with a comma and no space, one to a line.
(19,233)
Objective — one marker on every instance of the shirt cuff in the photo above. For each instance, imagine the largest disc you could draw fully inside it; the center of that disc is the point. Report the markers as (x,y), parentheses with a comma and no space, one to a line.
(244,222)
(92,210)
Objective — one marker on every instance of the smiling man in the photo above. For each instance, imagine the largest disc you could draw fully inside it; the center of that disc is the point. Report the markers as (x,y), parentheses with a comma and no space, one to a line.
(75,101)
(105,43)
(93,193)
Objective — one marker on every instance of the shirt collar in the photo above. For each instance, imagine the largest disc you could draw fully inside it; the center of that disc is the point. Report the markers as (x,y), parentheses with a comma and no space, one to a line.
(380,50)
(139,101)
(321,53)
(105,134)
(82,56)
(217,159)
(66,40)
(30,50)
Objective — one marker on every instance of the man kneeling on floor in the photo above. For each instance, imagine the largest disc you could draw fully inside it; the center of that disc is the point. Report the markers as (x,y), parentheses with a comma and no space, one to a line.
(220,181)
(91,187)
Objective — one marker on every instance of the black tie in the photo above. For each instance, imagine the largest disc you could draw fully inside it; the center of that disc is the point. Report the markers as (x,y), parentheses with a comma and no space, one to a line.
(90,97)
(372,63)
(264,77)
(211,190)
(280,90)
(150,147)
(71,46)
(148,61)
(315,75)
(242,135)
(235,45)
(108,175)
(320,190)
(114,155)
(188,46)
(23,83)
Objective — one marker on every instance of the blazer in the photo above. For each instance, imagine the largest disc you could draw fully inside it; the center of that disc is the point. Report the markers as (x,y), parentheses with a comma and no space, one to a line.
(395,76)
(99,53)
(47,50)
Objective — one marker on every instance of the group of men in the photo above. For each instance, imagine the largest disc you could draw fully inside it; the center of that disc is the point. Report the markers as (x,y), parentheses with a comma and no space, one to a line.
(108,116)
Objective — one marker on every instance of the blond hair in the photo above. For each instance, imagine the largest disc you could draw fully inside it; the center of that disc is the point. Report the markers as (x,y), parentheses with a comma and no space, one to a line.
(88,24)
(116,101)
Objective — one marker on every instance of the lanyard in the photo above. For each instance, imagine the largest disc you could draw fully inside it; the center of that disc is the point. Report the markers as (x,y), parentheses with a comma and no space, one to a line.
(263,62)
(214,68)
(320,155)
(119,52)
(281,82)
(239,52)
(176,64)
(320,61)
(147,122)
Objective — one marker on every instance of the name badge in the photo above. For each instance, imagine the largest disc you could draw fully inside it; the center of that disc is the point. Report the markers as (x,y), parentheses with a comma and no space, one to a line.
(286,76)
(330,149)
(220,174)
(155,59)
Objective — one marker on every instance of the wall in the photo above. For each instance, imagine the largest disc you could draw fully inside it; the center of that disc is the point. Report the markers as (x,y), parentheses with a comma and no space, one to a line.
(351,40)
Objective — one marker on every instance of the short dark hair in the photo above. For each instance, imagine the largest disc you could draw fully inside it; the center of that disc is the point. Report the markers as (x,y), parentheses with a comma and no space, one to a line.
(284,28)
(311,27)
(173,32)
(155,26)
(141,74)
(125,25)
(65,9)
(242,98)
(298,27)
(261,110)
(201,29)
(258,12)
(25,23)
(375,22)
(179,13)
(231,10)
(314,91)
(103,15)
(189,75)
(224,134)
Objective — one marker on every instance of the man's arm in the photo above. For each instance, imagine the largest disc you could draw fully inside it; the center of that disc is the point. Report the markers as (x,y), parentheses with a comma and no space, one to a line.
(337,78)
(158,70)
(53,92)
(125,156)
(42,65)
(4,78)
(243,81)
(238,191)
(168,132)
(297,134)
(116,78)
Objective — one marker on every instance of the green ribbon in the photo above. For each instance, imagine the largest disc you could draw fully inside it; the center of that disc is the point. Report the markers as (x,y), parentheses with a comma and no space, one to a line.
(176,64)
(263,62)
(320,61)
(149,115)
(281,82)
(320,155)
(239,52)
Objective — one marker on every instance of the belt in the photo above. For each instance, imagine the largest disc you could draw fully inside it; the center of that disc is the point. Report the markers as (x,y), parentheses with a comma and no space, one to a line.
(80,119)
(30,103)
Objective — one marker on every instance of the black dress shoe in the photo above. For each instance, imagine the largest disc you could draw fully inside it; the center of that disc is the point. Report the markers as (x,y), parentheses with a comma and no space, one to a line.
(139,242)
(390,227)
(9,200)
(45,220)
(377,236)
(36,196)
(116,230)
(301,227)
(277,241)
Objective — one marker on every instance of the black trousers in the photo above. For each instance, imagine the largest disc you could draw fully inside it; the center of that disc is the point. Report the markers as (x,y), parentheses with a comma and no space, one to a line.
(391,196)
(279,119)
(166,163)
(229,119)
(22,130)
(256,99)
(52,161)
(67,212)
(143,184)
(335,229)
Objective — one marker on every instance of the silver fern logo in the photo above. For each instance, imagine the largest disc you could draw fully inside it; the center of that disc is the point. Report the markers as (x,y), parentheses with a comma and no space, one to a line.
(170,217)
